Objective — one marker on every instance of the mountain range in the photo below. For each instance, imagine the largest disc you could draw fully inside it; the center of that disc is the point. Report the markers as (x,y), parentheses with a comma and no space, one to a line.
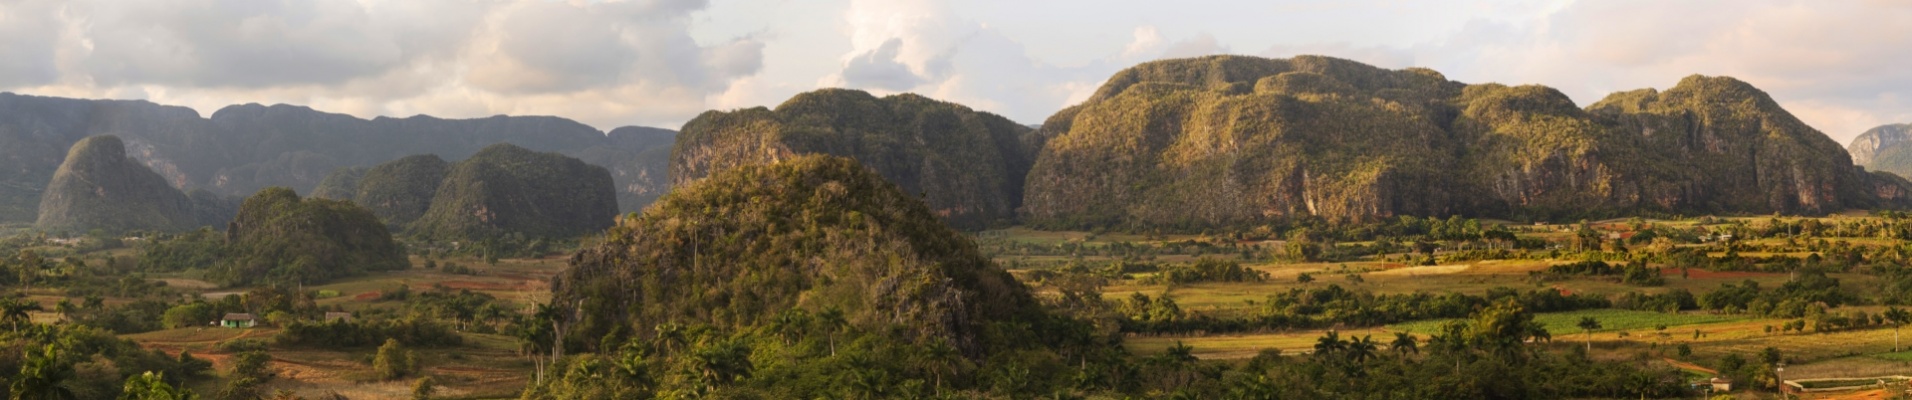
(1180,144)
(243,148)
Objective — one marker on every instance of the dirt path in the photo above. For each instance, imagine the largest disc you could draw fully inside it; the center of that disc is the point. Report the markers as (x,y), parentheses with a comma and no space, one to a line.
(1690,366)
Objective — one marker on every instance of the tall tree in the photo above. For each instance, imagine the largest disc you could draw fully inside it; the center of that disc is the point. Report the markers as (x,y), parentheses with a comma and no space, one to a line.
(152,386)
(1898,317)
(1588,324)
(43,377)
(1404,343)
(15,310)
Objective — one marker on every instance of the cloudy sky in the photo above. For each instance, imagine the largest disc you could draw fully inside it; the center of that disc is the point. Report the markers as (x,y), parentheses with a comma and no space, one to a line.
(1842,66)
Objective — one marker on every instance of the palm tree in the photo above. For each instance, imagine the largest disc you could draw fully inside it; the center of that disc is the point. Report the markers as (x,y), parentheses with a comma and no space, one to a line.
(790,324)
(1180,353)
(670,336)
(1405,343)
(15,310)
(1588,325)
(1329,344)
(940,359)
(832,320)
(721,362)
(1898,317)
(66,309)
(43,377)
(1360,350)
(152,386)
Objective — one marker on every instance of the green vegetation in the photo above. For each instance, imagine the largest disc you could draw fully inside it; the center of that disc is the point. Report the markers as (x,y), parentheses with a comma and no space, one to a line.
(677,288)
(1563,324)
(505,190)
(99,187)
(400,191)
(968,165)
(279,238)
(341,184)
(1231,141)
(1883,149)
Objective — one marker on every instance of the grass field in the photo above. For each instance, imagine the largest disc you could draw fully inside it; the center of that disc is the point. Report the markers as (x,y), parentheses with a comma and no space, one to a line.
(486,366)
(1611,320)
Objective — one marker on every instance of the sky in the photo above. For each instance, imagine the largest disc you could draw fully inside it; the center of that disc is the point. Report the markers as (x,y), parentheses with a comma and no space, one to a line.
(1842,66)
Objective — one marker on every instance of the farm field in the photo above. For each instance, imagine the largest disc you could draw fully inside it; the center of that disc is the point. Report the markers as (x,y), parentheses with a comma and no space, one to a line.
(485,366)
(1693,338)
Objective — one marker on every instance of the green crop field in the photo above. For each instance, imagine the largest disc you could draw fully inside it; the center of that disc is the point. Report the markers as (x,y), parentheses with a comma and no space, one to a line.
(1611,320)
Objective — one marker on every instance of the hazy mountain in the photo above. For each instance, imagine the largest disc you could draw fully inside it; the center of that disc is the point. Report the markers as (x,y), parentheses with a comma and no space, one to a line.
(833,234)
(99,187)
(243,148)
(1884,148)
(968,165)
(507,189)
(1229,140)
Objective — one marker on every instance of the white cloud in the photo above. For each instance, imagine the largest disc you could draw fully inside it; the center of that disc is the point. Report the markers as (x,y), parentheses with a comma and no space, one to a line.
(924,47)
(1839,66)
(606,63)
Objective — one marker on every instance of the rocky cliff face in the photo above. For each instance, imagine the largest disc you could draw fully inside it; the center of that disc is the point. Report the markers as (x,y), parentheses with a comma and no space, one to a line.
(243,148)
(1242,140)
(1885,149)
(1866,147)
(99,187)
(968,165)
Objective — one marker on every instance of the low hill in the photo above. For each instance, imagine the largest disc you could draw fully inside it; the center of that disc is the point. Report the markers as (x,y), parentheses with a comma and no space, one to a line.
(279,238)
(967,165)
(506,189)
(99,187)
(341,184)
(1232,140)
(400,191)
(814,233)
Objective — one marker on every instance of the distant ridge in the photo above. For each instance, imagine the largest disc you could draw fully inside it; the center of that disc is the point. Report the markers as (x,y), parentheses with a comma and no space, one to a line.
(243,148)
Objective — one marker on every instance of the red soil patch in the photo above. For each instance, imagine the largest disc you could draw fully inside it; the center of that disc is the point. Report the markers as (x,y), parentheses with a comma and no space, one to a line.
(1859,395)
(1690,366)
(469,285)
(1696,273)
(367,296)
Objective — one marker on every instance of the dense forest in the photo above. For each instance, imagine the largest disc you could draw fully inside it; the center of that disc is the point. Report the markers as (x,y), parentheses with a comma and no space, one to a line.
(1232,140)
(968,165)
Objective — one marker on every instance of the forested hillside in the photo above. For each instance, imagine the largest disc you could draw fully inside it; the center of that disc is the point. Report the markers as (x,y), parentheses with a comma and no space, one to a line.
(968,165)
(99,188)
(507,190)
(279,238)
(1232,140)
